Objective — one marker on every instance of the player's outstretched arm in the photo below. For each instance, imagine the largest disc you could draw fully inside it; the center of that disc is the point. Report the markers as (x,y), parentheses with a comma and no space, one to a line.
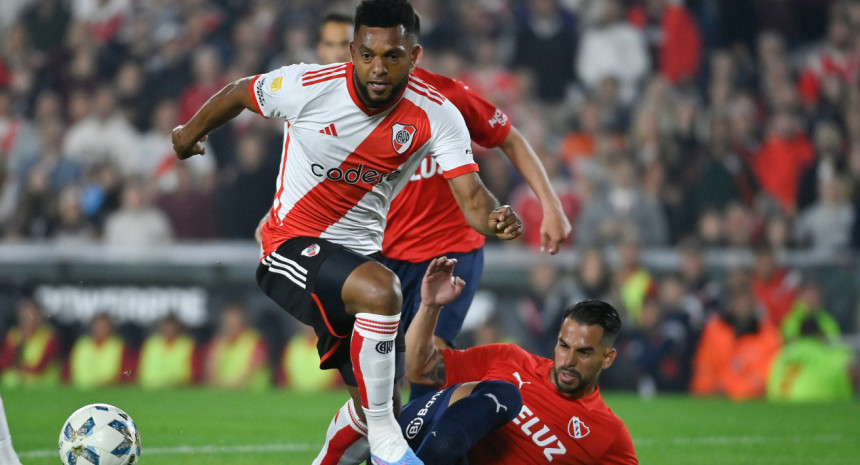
(424,361)
(482,210)
(555,226)
(219,109)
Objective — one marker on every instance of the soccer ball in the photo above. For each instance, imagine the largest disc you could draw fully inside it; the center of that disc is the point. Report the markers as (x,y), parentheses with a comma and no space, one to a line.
(99,434)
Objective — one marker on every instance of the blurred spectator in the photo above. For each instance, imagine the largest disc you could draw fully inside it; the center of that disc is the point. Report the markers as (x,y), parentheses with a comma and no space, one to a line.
(36,215)
(191,206)
(105,17)
(829,162)
(775,287)
(621,210)
(29,356)
(237,355)
(613,48)
(717,178)
(72,227)
(673,37)
(300,366)
(592,279)
(661,349)
(778,234)
(46,22)
(247,188)
(833,57)
(545,46)
(811,369)
(167,359)
(137,223)
(18,139)
(677,303)
(826,225)
(102,192)
(739,225)
(735,352)
(100,358)
(809,305)
(105,134)
(634,282)
(697,281)
(208,80)
(783,156)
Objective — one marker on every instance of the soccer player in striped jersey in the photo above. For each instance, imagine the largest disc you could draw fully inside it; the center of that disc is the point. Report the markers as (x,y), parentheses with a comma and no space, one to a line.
(353,133)
(408,248)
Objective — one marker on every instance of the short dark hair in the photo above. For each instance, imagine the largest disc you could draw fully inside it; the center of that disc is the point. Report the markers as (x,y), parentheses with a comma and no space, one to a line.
(595,312)
(386,13)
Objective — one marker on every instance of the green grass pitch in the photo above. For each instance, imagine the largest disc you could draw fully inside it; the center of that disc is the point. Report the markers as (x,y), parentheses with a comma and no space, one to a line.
(278,427)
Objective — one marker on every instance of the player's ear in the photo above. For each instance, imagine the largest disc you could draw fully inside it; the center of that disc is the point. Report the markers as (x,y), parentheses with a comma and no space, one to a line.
(609,358)
(352,50)
(417,53)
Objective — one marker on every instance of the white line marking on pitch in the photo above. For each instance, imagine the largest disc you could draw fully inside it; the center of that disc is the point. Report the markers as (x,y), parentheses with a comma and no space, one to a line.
(186,450)
(262,448)
(738,440)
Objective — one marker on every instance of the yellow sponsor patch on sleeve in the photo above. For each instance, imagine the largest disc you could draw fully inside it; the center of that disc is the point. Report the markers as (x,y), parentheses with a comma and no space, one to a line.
(276,84)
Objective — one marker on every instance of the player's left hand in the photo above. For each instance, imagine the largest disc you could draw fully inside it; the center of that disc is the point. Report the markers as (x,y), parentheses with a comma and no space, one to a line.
(505,221)
(187,148)
(440,287)
(554,229)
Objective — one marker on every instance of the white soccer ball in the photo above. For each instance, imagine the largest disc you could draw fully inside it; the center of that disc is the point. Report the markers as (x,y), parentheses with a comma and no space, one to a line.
(99,434)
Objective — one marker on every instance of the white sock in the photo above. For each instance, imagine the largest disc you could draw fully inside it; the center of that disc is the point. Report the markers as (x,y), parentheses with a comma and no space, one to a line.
(346,439)
(372,353)
(7,453)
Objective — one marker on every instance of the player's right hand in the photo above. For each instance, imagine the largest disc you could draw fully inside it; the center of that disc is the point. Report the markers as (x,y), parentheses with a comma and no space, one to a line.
(440,287)
(505,221)
(258,233)
(184,148)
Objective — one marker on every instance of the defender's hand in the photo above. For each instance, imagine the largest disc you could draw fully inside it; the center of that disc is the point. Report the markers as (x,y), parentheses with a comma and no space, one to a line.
(554,229)
(505,222)
(185,149)
(440,287)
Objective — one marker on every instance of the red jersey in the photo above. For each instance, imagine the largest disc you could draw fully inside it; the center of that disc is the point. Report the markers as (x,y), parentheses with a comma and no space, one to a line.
(427,199)
(551,427)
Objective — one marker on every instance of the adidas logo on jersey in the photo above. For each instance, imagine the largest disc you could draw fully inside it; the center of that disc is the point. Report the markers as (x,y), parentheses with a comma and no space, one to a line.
(329,130)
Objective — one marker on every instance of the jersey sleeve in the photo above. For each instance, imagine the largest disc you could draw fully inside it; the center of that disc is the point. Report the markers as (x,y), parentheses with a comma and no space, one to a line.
(276,93)
(472,364)
(450,144)
(621,451)
(488,125)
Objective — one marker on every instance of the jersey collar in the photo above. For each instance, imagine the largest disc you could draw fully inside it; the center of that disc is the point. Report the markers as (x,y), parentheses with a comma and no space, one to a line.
(350,85)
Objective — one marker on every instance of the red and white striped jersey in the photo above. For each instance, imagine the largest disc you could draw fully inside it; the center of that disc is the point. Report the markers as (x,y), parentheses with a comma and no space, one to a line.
(342,162)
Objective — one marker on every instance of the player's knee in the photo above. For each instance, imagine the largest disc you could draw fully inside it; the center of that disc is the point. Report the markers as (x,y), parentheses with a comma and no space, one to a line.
(375,290)
(507,398)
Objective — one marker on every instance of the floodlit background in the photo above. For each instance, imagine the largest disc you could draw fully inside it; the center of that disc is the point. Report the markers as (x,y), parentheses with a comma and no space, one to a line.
(706,152)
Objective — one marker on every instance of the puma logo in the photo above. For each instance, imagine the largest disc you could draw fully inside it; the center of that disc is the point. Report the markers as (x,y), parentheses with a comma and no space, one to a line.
(520,380)
(498,405)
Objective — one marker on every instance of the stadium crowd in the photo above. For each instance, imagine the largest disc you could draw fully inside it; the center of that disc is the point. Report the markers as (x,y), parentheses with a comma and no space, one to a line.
(662,123)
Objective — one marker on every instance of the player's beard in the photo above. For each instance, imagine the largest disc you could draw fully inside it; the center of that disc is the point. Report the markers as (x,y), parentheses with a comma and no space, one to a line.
(568,388)
(377,102)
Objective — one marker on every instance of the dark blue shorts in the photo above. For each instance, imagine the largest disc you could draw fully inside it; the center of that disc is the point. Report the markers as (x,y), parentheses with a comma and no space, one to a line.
(418,416)
(470,265)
